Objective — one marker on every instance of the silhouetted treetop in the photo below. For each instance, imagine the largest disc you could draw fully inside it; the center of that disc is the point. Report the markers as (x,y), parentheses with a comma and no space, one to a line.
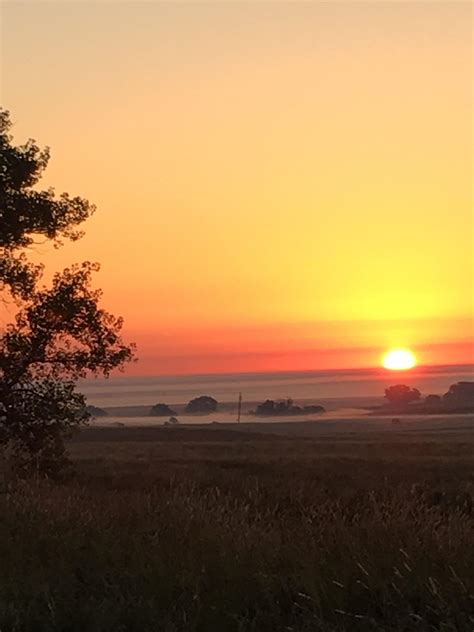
(27,213)
(402,394)
(286,407)
(460,394)
(162,410)
(202,404)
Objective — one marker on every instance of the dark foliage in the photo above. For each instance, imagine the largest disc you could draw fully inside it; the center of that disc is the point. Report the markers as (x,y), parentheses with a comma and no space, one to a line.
(460,394)
(59,333)
(162,410)
(459,399)
(285,407)
(28,214)
(202,404)
(402,394)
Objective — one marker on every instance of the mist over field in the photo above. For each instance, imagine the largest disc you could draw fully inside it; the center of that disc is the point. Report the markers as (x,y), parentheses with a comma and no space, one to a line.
(304,385)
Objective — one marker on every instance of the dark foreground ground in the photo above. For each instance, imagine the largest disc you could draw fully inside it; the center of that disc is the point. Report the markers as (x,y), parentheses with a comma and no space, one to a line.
(317,527)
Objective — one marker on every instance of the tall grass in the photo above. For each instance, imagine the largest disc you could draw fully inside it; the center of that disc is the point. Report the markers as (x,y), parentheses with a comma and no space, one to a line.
(261,535)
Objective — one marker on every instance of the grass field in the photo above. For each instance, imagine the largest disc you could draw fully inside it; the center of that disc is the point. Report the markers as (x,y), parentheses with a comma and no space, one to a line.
(303,527)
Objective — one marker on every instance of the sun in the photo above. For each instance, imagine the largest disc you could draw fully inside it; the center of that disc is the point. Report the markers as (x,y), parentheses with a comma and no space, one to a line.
(399,360)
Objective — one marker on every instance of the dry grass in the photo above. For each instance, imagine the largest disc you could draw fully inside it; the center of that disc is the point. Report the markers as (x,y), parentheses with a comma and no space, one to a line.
(214,530)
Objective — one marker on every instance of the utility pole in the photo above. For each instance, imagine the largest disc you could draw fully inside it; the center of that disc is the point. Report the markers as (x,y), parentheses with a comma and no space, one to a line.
(240,408)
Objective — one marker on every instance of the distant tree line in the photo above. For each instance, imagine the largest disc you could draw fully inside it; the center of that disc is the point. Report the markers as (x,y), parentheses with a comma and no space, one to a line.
(204,404)
(270,408)
(459,397)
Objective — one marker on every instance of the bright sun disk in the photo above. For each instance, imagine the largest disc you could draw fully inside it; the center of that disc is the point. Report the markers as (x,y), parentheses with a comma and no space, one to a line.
(399,360)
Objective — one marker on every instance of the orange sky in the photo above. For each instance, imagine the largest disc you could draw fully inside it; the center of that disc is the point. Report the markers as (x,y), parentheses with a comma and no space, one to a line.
(279,185)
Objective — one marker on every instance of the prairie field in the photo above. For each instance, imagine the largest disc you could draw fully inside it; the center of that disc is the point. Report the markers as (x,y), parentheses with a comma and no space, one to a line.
(263,528)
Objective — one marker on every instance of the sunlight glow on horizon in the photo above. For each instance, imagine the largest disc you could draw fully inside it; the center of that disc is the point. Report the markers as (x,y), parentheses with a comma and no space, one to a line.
(399,360)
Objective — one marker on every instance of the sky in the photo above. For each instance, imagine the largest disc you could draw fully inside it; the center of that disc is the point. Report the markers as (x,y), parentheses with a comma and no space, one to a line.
(279,185)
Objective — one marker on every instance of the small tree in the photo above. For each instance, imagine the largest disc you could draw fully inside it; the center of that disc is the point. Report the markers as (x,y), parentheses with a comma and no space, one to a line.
(402,394)
(59,333)
(162,410)
(202,404)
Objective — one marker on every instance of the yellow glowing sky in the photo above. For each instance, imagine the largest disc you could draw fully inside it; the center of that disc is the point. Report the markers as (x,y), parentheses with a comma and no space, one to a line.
(279,185)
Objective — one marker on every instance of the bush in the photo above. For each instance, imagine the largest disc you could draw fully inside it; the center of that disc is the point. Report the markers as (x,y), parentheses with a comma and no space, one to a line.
(402,394)
(162,410)
(202,404)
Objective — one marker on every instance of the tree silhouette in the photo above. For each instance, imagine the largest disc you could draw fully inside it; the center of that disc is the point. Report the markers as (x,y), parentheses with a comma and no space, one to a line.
(202,404)
(460,394)
(285,407)
(162,410)
(402,394)
(59,333)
